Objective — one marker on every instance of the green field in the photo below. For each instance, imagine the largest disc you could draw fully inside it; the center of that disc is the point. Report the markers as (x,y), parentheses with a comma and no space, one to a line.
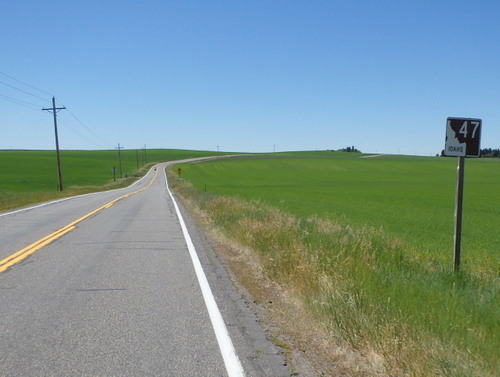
(365,242)
(411,198)
(31,176)
(380,231)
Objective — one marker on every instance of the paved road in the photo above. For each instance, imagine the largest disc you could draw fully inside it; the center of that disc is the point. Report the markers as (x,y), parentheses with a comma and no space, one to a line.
(115,292)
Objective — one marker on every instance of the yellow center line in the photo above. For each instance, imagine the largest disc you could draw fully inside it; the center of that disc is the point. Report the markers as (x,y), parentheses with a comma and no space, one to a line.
(37,245)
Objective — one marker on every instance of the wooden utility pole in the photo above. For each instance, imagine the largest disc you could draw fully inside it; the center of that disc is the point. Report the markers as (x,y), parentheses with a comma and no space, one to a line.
(120,159)
(54,111)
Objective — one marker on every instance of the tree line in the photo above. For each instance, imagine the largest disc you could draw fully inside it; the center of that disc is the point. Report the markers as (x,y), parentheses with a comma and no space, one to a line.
(486,152)
(489,152)
(350,149)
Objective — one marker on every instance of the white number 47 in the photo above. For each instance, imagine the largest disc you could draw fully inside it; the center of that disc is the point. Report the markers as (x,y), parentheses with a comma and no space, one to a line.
(463,129)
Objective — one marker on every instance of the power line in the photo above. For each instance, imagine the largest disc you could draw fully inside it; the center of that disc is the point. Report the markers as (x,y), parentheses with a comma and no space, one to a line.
(79,134)
(89,129)
(37,107)
(21,82)
(68,125)
(23,91)
(20,102)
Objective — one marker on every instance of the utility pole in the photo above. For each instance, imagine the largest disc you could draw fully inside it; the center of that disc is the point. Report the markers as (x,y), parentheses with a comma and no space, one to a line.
(54,111)
(120,159)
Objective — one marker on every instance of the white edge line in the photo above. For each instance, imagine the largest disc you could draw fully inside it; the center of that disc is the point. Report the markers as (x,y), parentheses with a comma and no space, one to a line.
(231,360)
(71,197)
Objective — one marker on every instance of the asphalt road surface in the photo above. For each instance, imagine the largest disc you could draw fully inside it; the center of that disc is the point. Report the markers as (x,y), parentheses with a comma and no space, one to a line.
(108,285)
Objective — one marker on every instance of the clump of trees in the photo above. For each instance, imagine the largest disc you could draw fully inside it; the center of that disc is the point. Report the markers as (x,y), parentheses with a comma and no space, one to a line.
(488,152)
(349,149)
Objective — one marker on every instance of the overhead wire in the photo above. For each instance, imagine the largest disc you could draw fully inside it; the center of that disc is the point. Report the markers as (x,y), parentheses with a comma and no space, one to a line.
(22,82)
(37,107)
(76,132)
(23,91)
(20,102)
(88,129)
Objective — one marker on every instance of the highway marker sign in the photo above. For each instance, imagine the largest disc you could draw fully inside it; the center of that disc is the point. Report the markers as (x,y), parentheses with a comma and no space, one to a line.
(463,137)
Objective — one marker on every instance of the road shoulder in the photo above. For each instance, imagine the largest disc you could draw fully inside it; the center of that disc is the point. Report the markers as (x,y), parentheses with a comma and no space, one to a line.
(250,331)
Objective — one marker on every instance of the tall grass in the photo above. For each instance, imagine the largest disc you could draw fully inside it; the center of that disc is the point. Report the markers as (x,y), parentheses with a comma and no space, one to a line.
(380,293)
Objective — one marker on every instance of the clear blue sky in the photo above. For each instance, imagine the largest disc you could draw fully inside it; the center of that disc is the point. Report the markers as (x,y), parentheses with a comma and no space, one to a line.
(249,76)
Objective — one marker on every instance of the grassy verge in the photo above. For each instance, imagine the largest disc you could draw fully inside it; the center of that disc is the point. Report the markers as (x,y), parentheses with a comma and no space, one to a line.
(384,295)
(12,199)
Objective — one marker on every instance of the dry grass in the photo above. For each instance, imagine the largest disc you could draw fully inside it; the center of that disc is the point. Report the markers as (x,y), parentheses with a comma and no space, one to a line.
(309,347)
(325,284)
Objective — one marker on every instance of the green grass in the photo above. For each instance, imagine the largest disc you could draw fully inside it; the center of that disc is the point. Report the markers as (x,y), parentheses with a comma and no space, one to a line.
(411,198)
(31,176)
(368,243)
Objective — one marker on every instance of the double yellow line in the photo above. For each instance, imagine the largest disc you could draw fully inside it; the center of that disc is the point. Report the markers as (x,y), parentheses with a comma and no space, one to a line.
(28,250)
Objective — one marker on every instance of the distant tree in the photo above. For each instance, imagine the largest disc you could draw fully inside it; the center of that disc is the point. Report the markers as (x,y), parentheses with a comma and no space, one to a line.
(350,149)
(489,152)
(485,152)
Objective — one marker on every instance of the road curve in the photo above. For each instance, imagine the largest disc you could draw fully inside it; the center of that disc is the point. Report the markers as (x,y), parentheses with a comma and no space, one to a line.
(115,291)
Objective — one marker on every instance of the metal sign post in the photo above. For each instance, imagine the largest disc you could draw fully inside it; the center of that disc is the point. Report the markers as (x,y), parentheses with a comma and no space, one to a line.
(463,136)
(459,194)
